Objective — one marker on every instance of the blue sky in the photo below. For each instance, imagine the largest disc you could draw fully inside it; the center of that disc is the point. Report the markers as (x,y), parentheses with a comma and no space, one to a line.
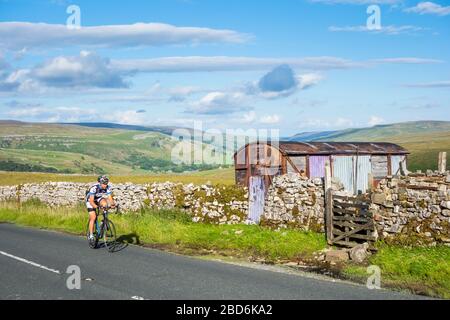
(295,65)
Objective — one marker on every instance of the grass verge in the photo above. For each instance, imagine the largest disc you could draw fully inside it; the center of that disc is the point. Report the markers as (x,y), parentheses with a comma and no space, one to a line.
(423,270)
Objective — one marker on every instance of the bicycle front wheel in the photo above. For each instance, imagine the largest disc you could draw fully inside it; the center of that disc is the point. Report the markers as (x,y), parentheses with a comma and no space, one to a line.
(109,235)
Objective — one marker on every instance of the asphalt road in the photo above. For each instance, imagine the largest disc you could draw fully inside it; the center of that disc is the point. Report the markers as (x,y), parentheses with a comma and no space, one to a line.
(33,265)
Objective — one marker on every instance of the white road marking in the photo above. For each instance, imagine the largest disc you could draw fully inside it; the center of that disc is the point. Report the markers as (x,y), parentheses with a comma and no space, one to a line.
(137,298)
(29,262)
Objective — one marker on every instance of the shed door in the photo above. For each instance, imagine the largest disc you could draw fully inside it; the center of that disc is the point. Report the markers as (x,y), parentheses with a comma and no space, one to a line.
(343,170)
(256,198)
(364,167)
(379,166)
(317,166)
(395,164)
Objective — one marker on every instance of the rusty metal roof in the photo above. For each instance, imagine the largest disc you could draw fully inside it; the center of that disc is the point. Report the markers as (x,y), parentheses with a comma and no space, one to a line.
(327,148)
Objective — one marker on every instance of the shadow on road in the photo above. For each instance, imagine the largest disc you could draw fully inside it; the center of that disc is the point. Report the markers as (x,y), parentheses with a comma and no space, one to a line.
(123,241)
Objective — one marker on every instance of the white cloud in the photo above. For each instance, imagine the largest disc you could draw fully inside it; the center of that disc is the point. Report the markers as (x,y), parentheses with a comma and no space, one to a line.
(270,119)
(219,102)
(375,120)
(308,80)
(248,117)
(19,35)
(224,63)
(180,94)
(429,8)
(87,70)
(76,114)
(281,82)
(435,84)
(358,2)
(90,71)
(390,30)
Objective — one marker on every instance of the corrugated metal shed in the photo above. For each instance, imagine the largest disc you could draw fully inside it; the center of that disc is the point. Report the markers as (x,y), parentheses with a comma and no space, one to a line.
(352,162)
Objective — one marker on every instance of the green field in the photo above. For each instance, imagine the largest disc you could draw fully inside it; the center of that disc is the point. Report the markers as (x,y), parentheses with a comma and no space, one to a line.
(65,148)
(216,176)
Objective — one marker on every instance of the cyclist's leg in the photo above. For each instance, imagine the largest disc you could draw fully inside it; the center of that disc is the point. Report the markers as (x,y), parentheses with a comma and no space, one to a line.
(103,203)
(92,216)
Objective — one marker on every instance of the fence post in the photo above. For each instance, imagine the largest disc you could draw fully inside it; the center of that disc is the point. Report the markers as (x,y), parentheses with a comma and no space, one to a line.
(370,182)
(442,164)
(328,204)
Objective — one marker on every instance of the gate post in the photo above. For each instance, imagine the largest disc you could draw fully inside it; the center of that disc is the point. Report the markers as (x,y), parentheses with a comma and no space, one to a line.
(328,204)
(442,163)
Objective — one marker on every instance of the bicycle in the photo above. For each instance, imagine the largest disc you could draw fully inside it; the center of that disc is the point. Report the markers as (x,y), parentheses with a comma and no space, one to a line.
(104,229)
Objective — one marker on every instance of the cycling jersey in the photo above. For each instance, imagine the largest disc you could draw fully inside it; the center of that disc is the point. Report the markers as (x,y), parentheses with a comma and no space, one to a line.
(98,192)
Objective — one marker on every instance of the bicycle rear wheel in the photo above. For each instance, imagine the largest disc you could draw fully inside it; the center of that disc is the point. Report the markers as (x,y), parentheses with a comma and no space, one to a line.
(92,244)
(109,235)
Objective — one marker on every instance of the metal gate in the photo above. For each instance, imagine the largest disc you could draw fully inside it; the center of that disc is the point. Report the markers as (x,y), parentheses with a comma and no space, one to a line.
(256,198)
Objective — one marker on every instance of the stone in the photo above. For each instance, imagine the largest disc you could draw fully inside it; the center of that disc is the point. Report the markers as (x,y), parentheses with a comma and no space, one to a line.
(335,256)
(445,212)
(435,209)
(378,198)
(359,253)
(445,204)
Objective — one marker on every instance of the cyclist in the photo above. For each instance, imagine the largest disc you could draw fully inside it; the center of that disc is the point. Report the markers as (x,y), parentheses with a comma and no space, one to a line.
(99,195)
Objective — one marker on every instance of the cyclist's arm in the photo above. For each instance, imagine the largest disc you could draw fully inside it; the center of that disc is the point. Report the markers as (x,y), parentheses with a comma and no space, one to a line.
(92,202)
(111,201)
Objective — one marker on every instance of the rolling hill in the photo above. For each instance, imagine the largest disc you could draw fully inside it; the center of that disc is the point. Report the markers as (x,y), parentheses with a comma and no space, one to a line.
(93,148)
(424,139)
(89,148)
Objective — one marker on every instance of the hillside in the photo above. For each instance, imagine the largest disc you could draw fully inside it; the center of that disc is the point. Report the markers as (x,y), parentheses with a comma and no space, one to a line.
(424,139)
(73,148)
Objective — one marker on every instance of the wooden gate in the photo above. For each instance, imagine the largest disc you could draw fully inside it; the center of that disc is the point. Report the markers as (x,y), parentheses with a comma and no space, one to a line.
(256,198)
(349,221)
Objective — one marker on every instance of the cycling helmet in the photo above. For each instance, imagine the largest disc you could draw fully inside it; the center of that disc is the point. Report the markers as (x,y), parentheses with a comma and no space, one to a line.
(103,179)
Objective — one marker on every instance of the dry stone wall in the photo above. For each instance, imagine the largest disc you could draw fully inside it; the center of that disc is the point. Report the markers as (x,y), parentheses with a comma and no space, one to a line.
(295,201)
(413,209)
(215,204)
